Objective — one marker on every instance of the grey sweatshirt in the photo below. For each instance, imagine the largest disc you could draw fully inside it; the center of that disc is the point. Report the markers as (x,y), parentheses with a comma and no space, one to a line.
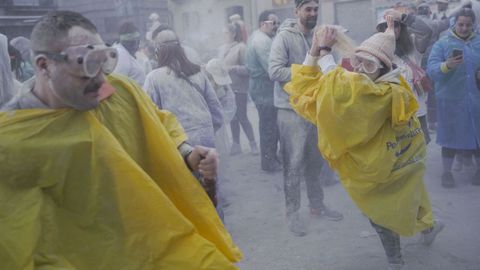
(289,47)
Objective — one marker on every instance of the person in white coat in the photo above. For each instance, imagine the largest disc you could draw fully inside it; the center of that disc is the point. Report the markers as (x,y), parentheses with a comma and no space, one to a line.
(129,43)
(6,76)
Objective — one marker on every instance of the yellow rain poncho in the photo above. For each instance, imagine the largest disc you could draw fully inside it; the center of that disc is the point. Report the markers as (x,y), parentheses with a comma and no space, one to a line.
(369,134)
(104,189)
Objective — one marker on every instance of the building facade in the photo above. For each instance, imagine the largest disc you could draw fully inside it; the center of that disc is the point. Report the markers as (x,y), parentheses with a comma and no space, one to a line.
(193,17)
(17,17)
(108,15)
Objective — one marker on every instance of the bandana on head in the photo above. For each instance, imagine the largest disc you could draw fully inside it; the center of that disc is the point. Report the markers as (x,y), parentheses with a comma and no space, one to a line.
(168,42)
(130,36)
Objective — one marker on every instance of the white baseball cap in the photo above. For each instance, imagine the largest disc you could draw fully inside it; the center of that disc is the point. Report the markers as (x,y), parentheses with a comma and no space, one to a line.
(217,69)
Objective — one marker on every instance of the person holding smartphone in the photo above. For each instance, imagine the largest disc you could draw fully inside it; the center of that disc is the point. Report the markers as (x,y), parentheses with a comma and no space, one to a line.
(453,65)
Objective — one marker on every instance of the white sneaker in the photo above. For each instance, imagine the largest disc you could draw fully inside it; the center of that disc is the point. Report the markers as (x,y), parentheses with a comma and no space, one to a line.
(429,237)
(395,266)
(254,148)
(235,150)
(296,225)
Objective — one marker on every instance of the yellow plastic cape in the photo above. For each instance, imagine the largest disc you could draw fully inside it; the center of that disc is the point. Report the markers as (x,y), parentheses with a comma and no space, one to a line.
(104,189)
(369,134)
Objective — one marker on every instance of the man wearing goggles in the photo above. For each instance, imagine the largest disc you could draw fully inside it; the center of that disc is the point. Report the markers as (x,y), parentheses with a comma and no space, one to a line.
(73,76)
(105,168)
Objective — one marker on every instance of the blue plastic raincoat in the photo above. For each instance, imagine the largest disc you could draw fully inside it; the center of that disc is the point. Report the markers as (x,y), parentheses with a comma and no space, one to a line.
(458,97)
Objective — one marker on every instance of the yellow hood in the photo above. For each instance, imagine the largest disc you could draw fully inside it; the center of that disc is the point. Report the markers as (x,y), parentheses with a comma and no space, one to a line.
(369,134)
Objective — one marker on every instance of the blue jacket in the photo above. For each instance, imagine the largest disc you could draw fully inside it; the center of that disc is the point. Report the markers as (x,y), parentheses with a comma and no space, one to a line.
(258,51)
(458,96)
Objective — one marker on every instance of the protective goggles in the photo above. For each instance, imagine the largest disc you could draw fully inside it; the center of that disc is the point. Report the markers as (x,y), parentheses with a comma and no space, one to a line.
(87,60)
(366,65)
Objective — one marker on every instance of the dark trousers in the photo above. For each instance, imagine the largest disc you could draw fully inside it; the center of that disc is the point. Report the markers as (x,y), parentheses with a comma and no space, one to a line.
(268,130)
(451,152)
(424,125)
(432,108)
(391,243)
(241,118)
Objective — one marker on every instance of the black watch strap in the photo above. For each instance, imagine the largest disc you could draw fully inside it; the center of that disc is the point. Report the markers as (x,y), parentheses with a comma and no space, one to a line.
(325,48)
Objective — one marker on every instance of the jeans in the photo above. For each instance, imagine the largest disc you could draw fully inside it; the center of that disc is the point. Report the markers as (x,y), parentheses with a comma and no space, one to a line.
(301,160)
(269,136)
(241,118)
(391,243)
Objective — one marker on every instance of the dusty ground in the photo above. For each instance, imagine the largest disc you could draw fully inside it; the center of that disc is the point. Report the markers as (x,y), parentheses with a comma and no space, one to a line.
(256,219)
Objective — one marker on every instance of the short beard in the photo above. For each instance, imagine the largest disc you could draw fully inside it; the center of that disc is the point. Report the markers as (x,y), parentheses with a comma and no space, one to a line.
(310,23)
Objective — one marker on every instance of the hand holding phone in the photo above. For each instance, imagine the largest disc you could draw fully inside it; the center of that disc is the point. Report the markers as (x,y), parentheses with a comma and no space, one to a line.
(455,59)
(457,52)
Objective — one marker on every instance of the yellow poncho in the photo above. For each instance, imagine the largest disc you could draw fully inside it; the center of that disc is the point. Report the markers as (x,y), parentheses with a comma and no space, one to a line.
(104,189)
(369,134)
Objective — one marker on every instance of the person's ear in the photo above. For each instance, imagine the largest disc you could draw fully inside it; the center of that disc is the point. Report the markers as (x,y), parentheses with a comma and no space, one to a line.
(41,64)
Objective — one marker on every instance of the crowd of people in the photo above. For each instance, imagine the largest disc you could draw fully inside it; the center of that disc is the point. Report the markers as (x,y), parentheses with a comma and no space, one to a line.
(109,152)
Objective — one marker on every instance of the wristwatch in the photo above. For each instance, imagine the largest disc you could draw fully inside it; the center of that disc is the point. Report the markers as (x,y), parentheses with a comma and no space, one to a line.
(325,48)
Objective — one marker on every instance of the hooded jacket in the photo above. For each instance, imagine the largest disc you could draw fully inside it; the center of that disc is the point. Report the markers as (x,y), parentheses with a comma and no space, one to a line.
(458,97)
(369,134)
(289,47)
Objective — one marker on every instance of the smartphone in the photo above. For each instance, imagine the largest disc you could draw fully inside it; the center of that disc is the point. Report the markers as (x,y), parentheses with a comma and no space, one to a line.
(457,52)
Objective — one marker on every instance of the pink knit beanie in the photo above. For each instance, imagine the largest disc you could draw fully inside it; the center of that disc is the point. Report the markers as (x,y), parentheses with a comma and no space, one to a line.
(380,45)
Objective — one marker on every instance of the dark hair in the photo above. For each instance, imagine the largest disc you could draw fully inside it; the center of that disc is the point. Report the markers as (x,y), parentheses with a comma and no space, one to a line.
(264,16)
(423,9)
(127,28)
(465,12)
(159,29)
(404,44)
(299,3)
(16,61)
(51,31)
(236,30)
(171,54)
(384,69)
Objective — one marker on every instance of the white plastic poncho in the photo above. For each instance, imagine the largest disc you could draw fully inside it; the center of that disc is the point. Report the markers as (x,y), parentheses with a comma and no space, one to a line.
(6,78)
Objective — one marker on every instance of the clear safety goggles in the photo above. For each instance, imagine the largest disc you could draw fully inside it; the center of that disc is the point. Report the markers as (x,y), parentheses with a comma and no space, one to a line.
(366,65)
(86,60)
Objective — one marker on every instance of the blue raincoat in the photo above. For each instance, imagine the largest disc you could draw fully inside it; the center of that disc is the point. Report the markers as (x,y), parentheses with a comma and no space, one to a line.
(458,96)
